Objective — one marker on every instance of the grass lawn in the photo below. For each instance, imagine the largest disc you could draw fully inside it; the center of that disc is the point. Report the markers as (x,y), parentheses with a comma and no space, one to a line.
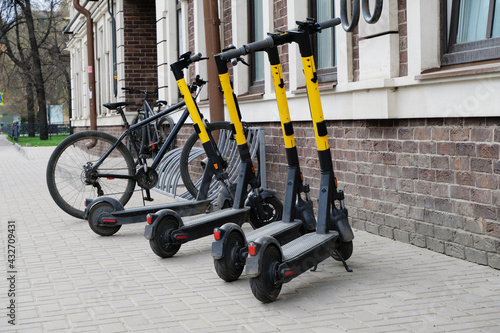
(36,142)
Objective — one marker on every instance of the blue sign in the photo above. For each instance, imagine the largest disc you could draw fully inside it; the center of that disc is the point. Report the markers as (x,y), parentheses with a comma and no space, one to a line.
(1,98)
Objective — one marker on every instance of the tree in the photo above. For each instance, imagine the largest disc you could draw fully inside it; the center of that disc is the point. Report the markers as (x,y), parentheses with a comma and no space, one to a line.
(31,43)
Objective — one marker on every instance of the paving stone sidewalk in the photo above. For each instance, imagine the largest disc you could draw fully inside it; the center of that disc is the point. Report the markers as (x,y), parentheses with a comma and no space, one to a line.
(69,279)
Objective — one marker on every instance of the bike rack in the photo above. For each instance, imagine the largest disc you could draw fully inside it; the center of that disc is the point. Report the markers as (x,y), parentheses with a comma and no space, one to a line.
(169,176)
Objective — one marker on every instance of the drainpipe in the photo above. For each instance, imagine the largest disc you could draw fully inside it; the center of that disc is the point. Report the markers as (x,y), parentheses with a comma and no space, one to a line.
(90,56)
(212,36)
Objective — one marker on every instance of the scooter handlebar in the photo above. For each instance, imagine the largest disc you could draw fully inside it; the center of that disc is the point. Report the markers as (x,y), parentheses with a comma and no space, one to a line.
(268,42)
(195,58)
(232,54)
(248,48)
(329,23)
(259,45)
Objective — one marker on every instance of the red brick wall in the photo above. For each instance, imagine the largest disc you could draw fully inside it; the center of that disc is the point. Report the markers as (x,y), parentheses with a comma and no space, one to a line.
(140,46)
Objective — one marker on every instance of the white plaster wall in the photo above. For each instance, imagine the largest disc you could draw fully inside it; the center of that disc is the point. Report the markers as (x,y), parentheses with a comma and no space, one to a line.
(388,21)
(379,57)
(423,28)
(380,93)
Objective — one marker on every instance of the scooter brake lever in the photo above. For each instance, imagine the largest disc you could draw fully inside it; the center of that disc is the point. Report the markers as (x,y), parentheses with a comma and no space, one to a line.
(243,61)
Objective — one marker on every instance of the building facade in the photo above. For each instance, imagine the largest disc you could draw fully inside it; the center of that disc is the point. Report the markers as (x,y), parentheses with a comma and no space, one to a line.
(411,103)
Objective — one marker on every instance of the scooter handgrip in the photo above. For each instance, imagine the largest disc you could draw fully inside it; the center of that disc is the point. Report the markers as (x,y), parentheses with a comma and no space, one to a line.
(329,23)
(195,58)
(259,45)
(232,54)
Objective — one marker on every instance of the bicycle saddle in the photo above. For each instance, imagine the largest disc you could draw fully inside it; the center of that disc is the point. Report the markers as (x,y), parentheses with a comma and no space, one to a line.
(115,106)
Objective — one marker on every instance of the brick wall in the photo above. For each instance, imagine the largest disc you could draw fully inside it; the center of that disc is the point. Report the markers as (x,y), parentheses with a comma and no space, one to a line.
(191,44)
(403,46)
(280,20)
(355,54)
(226,18)
(432,183)
(226,24)
(140,46)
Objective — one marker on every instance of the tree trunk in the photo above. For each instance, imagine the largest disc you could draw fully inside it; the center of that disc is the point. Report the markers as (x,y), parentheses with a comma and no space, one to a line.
(37,72)
(30,105)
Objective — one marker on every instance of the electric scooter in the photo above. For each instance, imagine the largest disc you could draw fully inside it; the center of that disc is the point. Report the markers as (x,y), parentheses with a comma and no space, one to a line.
(230,247)
(270,264)
(106,215)
(165,229)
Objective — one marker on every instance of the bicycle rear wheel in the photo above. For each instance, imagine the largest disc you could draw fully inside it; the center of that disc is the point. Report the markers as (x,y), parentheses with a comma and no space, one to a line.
(193,158)
(70,184)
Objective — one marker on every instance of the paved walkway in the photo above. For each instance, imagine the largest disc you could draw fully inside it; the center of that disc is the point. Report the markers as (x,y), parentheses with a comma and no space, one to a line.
(69,279)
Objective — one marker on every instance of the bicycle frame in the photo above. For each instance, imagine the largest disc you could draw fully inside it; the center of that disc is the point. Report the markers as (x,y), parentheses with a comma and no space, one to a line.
(146,121)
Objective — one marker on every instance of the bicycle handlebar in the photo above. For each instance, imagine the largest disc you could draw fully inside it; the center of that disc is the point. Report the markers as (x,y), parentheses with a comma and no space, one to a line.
(137,91)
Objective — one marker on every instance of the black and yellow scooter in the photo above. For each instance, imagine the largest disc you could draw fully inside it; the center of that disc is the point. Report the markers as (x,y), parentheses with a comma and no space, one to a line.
(230,247)
(106,215)
(270,264)
(165,229)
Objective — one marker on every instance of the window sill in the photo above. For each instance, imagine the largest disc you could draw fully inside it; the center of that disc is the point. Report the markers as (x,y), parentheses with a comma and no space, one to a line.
(454,71)
(322,87)
(250,96)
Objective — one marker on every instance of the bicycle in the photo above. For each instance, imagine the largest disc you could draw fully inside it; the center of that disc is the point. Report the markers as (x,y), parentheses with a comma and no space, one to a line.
(92,164)
(149,139)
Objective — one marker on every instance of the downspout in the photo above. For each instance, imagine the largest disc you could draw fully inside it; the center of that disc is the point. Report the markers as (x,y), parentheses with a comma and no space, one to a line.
(212,37)
(90,56)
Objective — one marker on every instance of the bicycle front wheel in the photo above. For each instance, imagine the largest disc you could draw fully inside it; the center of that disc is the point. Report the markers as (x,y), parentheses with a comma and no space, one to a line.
(192,165)
(68,177)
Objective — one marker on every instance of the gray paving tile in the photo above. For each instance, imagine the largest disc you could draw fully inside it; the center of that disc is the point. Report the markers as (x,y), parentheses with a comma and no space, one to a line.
(72,280)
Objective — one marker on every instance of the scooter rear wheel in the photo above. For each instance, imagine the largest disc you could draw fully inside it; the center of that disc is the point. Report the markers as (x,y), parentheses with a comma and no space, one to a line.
(230,267)
(161,243)
(96,213)
(266,287)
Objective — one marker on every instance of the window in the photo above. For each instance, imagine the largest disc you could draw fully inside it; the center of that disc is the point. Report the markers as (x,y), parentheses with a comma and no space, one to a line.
(180,49)
(256,30)
(324,42)
(473,31)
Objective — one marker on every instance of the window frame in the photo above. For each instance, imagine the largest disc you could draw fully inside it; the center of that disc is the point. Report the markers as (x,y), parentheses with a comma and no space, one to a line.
(481,50)
(178,23)
(254,86)
(327,74)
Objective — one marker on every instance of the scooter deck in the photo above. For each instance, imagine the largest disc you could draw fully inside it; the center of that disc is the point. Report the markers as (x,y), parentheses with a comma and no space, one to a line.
(139,214)
(307,246)
(204,225)
(283,231)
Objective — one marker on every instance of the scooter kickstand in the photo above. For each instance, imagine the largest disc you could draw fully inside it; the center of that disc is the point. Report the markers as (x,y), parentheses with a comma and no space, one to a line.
(343,261)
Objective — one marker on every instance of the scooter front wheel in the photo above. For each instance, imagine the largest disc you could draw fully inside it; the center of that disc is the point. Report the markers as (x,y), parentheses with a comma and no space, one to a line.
(273,209)
(266,287)
(345,249)
(96,213)
(230,267)
(161,243)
